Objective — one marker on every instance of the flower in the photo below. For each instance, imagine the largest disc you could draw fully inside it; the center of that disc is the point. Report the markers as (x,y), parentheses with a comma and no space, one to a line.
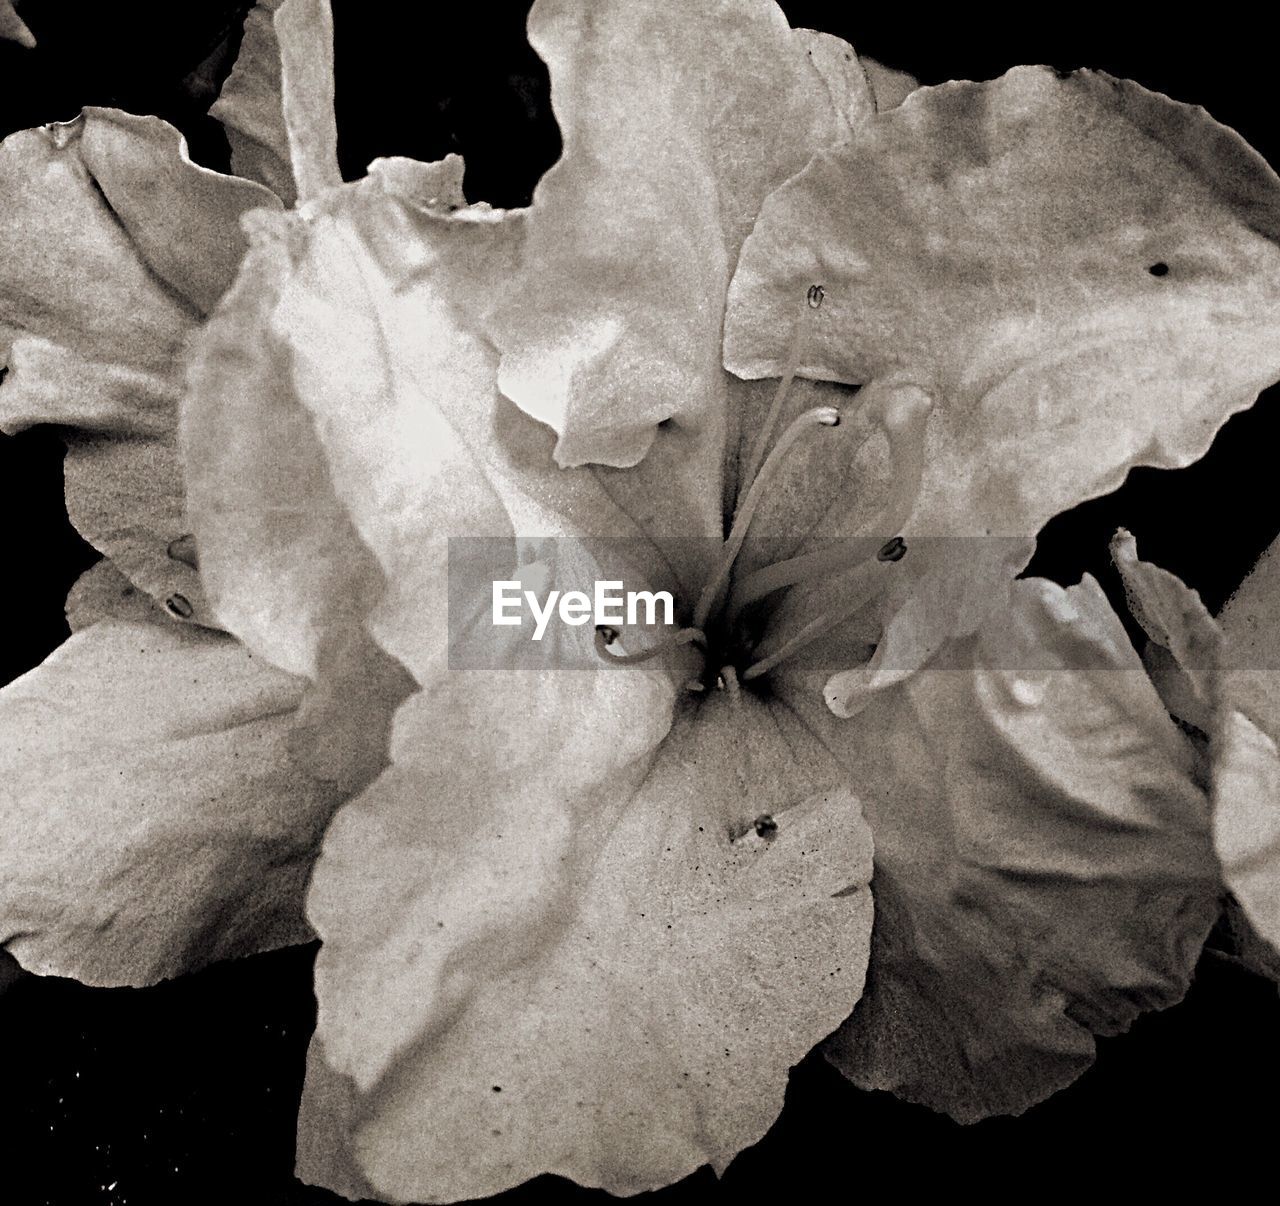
(585,923)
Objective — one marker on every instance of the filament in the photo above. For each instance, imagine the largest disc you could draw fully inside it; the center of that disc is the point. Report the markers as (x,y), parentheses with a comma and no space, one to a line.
(605,636)
(820,416)
(866,582)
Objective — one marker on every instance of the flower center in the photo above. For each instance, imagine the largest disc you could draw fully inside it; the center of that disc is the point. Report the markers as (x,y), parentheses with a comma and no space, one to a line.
(725,625)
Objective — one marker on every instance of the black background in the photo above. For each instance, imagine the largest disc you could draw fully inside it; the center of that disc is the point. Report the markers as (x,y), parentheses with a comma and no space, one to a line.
(187,1093)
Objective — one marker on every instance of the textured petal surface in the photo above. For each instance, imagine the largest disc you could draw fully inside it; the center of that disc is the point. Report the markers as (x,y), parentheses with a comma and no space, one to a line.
(677,121)
(1044,869)
(1247,820)
(283,566)
(153,819)
(113,245)
(501,924)
(1080,274)
(343,422)
(1232,669)
(277,103)
(12,26)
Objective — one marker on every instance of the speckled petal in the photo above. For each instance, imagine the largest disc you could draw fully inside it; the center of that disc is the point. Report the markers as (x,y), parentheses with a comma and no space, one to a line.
(154,821)
(598,947)
(1081,275)
(1044,867)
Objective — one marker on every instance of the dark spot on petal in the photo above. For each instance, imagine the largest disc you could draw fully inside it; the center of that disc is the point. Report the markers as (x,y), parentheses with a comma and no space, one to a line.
(1159,269)
(179,606)
(497,1088)
(894,550)
(765,825)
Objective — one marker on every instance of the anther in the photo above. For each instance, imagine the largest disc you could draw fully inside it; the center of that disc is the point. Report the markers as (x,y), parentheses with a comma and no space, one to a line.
(895,550)
(795,346)
(765,826)
(179,607)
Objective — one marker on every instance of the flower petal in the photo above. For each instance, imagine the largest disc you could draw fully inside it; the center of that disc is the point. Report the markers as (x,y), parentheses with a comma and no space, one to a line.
(1080,274)
(889,86)
(284,568)
(12,26)
(677,121)
(153,820)
(277,103)
(502,926)
(360,317)
(1043,862)
(1230,665)
(112,246)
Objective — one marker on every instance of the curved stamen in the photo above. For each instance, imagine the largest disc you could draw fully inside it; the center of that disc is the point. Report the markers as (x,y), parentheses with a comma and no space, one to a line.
(824,562)
(866,582)
(605,636)
(819,416)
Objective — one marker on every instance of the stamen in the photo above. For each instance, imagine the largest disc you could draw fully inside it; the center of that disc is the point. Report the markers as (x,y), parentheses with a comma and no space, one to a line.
(825,562)
(605,636)
(813,299)
(866,582)
(820,416)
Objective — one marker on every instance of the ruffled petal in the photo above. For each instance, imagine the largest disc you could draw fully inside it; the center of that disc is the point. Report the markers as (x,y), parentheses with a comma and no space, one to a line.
(677,121)
(113,245)
(1081,275)
(889,86)
(351,347)
(277,103)
(1044,868)
(600,953)
(283,566)
(153,819)
(1231,670)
